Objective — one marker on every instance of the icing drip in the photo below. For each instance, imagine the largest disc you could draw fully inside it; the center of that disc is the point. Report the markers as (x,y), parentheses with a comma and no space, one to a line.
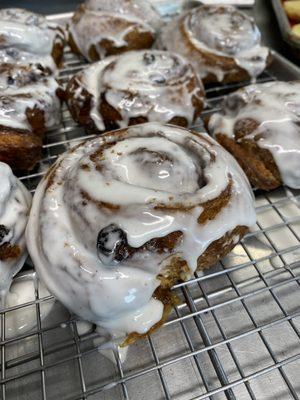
(235,35)
(27,37)
(276,108)
(15,203)
(111,21)
(154,84)
(27,88)
(140,182)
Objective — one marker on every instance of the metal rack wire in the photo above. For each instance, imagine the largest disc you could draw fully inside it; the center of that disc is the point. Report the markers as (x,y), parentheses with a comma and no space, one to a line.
(235,335)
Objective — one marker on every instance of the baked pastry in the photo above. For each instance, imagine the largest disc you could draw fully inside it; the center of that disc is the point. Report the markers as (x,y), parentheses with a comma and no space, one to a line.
(120,218)
(230,52)
(28,38)
(292,9)
(29,105)
(296,30)
(260,126)
(135,87)
(103,28)
(15,203)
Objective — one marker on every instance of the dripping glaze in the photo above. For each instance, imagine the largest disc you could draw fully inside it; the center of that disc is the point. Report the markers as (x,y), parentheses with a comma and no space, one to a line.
(135,176)
(152,84)
(15,203)
(276,108)
(235,35)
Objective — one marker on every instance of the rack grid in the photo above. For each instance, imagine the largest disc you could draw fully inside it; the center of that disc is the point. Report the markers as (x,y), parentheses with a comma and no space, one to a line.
(235,334)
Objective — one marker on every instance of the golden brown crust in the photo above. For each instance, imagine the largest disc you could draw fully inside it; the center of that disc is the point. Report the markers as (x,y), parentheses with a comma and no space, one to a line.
(9,251)
(258,163)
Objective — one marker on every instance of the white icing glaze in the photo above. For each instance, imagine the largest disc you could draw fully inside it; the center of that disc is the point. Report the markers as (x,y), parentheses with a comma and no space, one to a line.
(15,203)
(22,290)
(149,165)
(110,21)
(276,108)
(142,9)
(234,35)
(26,37)
(152,84)
(24,88)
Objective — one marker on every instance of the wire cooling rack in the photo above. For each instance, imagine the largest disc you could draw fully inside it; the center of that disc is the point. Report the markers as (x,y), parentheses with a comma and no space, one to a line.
(235,335)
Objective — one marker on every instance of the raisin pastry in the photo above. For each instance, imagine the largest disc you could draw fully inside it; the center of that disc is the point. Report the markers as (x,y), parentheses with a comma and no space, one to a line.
(120,218)
(28,38)
(29,105)
(260,126)
(103,28)
(135,87)
(15,203)
(230,52)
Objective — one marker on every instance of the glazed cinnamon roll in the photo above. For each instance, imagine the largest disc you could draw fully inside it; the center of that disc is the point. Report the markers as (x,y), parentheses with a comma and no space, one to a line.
(28,38)
(135,87)
(221,42)
(103,28)
(29,106)
(15,203)
(120,218)
(260,126)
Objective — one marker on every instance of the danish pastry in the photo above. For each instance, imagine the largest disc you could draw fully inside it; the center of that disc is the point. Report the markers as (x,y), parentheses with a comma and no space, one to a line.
(120,218)
(135,87)
(29,105)
(28,38)
(221,42)
(15,203)
(260,126)
(103,28)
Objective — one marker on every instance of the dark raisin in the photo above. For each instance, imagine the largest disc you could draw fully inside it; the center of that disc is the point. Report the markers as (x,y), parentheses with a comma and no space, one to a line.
(3,232)
(157,78)
(148,58)
(10,80)
(112,245)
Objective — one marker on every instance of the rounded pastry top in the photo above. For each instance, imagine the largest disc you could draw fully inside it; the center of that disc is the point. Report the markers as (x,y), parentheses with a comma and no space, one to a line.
(124,206)
(153,84)
(15,203)
(269,115)
(142,9)
(234,36)
(27,37)
(28,98)
(97,31)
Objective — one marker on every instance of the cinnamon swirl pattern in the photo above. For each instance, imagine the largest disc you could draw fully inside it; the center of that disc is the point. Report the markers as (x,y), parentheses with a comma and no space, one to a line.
(260,126)
(229,52)
(15,203)
(120,218)
(103,28)
(29,106)
(135,87)
(28,38)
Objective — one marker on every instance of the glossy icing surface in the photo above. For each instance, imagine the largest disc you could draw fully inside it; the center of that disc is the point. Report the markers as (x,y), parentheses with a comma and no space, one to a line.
(26,37)
(111,21)
(234,35)
(276,108)
(15,201)
(154,84)
(128,184)
(27,88)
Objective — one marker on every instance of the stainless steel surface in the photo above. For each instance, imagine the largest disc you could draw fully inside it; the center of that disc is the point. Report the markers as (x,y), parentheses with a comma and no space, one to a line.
(235,335)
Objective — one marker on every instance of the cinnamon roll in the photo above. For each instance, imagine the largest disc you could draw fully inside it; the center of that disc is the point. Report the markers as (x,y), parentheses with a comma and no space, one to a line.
(103,28)
(29,105)
(260,126)
(230,52)
(120,218)
(135,87)
(15,203)
(28,38)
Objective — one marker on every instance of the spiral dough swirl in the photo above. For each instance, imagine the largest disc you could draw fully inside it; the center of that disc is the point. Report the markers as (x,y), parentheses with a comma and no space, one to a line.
(116,213)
